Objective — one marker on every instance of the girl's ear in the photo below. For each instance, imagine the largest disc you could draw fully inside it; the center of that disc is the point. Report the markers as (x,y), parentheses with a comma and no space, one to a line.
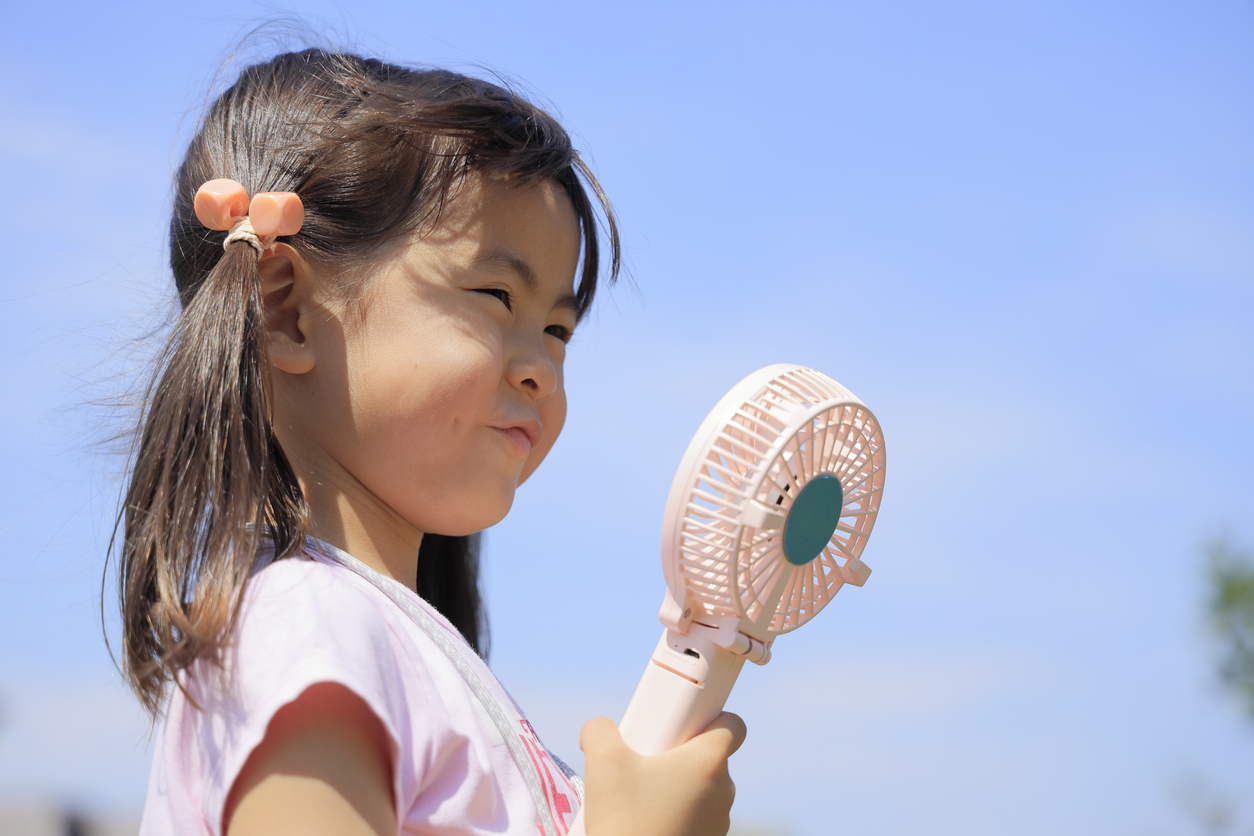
(287,297)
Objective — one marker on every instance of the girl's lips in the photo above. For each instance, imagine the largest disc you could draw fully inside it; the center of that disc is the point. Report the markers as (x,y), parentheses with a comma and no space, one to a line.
(521,440)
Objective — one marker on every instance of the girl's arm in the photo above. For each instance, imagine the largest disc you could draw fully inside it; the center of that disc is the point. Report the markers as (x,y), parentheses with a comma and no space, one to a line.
(322,768)
(684,792)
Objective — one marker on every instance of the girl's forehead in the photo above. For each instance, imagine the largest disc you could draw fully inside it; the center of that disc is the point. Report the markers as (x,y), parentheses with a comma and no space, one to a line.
(485,200)
(526,231)
(490,213)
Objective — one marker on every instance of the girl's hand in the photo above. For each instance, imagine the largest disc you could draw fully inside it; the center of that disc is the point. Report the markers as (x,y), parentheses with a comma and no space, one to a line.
(684,792)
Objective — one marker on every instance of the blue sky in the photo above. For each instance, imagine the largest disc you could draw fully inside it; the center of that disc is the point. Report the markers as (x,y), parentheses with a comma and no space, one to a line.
(1023,233)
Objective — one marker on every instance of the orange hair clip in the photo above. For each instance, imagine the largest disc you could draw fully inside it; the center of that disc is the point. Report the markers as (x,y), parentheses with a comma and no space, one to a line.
(276,213)
(224,205)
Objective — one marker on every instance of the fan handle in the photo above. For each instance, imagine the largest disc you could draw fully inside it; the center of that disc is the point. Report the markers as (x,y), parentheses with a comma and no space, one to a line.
(678,696)
(684,687)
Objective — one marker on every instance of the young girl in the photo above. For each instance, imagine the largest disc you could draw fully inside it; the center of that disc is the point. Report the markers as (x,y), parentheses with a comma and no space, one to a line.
(367,364)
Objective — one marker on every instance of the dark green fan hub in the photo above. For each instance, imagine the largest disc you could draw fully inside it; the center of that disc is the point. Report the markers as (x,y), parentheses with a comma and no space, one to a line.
(812,520)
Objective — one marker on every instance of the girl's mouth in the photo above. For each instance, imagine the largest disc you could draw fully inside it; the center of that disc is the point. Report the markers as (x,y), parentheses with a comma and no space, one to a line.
(520,439)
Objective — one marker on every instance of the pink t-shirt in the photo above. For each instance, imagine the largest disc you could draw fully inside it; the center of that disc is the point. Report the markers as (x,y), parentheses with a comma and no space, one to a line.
(309,621)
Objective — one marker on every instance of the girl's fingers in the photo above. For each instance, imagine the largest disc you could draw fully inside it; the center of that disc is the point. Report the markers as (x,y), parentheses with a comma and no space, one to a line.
(684,792)
(726,733)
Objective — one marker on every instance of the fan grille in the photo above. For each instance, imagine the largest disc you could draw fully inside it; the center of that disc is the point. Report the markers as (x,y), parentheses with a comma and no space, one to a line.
(796,427)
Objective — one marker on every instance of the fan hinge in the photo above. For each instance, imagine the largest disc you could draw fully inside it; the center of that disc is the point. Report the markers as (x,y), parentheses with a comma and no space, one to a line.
(728,636)
(676,615)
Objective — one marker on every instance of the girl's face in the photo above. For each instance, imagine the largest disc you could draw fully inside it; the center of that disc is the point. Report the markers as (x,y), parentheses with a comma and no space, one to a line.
(443,390)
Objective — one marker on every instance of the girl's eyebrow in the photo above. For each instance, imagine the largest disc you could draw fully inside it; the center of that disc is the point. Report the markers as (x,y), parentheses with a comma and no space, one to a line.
(500,257)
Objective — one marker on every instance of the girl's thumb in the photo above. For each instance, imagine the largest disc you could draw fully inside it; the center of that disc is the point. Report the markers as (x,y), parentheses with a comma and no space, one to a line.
(725,733)
(598,735)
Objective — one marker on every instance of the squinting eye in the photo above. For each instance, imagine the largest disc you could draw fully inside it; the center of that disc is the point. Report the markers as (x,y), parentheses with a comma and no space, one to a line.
(560,331)
(501,293)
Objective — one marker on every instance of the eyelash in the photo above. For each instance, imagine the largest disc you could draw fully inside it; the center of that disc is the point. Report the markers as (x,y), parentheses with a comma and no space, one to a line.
(561,332)
(501,293)
(507,299)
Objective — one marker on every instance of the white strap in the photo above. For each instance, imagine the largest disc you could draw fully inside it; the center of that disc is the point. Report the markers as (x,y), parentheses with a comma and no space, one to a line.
(507,726)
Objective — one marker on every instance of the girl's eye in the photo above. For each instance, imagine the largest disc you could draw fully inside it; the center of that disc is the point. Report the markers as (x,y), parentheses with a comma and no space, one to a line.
(507,298)
(560,331)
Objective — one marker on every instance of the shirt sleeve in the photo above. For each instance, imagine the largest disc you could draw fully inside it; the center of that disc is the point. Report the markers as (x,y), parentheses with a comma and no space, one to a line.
(301,623)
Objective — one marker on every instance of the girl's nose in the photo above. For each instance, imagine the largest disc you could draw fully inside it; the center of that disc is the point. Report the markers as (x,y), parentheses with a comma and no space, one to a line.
(533,370)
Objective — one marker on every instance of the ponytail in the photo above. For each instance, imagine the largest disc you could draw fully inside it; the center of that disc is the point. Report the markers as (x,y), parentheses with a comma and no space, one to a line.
(209,476)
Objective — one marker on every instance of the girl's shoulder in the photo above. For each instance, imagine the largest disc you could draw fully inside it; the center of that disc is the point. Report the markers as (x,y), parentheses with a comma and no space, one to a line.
(308,610)
(303,621)
(305,582)
(321,590)
(312,603)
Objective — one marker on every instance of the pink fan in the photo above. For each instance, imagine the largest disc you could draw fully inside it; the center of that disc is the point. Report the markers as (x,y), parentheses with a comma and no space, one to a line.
(766,520)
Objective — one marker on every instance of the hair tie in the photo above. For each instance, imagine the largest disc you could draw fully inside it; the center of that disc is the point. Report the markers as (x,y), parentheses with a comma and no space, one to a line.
(224,205)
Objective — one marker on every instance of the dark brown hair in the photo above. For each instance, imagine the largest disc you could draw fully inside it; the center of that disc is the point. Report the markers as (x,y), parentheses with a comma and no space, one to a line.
(375,151)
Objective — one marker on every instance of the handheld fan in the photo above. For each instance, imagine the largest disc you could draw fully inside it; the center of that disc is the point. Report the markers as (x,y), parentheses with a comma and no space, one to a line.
(766,520)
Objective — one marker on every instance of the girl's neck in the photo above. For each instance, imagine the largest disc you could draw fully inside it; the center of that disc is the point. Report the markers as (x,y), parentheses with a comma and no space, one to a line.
(367,530)
(344,512)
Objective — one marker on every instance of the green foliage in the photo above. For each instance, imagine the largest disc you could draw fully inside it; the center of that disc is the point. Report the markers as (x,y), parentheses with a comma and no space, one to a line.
(1230,575)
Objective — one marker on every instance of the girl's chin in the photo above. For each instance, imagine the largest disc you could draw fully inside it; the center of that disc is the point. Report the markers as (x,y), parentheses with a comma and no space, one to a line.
(486,515)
